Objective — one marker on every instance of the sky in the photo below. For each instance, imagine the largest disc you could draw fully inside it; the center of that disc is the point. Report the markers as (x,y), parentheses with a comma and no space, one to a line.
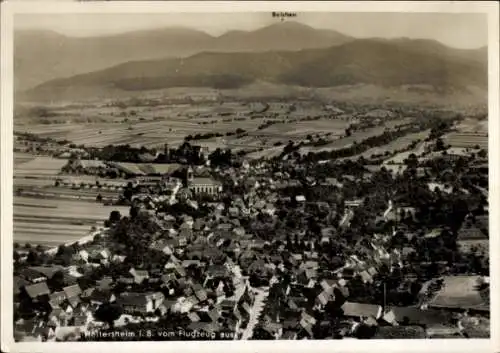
(457,30)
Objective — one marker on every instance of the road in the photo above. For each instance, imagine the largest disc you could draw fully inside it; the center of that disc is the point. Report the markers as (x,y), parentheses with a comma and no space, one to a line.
(258,306)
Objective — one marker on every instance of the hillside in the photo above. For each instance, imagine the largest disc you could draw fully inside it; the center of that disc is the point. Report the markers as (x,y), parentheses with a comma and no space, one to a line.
(40,56)
(373,62)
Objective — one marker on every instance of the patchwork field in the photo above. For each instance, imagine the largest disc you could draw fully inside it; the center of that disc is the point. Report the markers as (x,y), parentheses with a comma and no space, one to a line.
(52,222)
(152,126)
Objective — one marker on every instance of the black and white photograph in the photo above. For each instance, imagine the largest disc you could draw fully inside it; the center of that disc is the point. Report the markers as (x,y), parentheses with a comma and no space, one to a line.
(249,175)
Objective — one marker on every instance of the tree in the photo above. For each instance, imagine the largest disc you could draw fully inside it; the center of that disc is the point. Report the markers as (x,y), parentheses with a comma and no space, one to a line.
(32,257)
(57,281)
(108,313)
(482,153)
(114,217)
(440,146)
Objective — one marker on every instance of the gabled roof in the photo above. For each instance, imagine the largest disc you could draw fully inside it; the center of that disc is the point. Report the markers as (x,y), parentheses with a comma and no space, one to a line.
(57,297)
(72,291)
(37,289)
(470,232)
(133,299)
(360,309)
(18,284)
(47,271)
(31,275)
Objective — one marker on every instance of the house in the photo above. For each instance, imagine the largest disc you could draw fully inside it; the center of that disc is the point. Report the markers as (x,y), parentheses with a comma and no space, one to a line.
(361,310)
(300,198)
(32,276)
(206,327)
(199,292)
(48,271)
(140,302)
(72,291)
(56,298)
(471,237)
(105,283)
(57,317)
(163,245)
(99,297)
(328,284)
(37,291)
(275,329)
(324,297)
(139,275)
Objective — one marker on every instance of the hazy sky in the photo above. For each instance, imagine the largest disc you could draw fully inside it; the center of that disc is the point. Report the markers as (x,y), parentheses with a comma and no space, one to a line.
(456,30)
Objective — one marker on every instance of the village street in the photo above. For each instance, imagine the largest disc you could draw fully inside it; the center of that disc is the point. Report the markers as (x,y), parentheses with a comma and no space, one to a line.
(259,303)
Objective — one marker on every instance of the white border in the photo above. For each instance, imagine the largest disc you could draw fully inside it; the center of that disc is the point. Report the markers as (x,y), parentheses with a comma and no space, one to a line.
(6,106)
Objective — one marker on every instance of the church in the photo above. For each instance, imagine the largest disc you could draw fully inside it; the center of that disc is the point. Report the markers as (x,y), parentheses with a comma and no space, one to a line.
(202,185)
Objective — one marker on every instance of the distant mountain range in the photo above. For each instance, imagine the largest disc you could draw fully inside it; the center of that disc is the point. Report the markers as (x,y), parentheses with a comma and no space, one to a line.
(40,56)
(385,63)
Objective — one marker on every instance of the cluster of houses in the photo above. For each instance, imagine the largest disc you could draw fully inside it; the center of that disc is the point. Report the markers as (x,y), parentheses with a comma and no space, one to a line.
(221,276)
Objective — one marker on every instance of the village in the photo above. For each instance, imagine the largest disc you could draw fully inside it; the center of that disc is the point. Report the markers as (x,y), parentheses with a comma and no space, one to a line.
(280,248)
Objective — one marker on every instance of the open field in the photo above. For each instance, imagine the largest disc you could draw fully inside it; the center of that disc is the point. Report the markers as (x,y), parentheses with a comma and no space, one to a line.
(21,158)
(401,157)
(39,166)
(52,222)
(266,153)
(466,140)
(469,125)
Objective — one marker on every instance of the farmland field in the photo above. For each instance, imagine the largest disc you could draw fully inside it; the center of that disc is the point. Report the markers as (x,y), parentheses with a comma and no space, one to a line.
(466,140)
(39,166)
(20,158)
(152,126)
(52,222)
(397,144)
(340,143)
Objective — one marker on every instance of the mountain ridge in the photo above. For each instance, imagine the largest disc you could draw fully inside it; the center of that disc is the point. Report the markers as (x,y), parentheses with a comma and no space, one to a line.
(40,56)
(44,55)
(362,61)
